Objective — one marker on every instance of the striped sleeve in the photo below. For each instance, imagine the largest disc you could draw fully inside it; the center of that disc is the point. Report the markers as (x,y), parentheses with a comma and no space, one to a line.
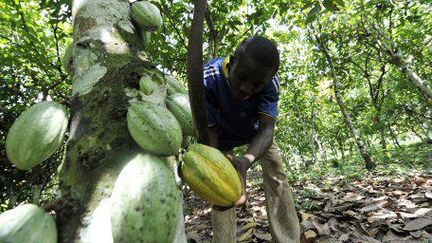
(269,98)
(210,75)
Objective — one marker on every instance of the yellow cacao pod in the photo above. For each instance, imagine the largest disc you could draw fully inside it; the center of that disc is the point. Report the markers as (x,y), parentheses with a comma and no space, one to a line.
(211,175)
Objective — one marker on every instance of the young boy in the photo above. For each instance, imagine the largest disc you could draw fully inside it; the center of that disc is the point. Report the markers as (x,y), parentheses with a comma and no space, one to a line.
(242,93)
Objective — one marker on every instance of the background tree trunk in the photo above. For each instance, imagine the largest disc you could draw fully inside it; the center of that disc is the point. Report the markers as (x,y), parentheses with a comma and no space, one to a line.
(306,132)
(423,86)
(397,59)
(360,145)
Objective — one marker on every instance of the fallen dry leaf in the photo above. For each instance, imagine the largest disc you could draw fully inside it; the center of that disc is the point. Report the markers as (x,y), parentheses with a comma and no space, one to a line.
(327,239)
(428,194)
(418,224)
(423,212)
(390,237)
(310,235)
(406,203)
(350,214)
(305,216)
(419,180)
(323,229)
(264,237)
(245,236)
(370,208)
(248,226)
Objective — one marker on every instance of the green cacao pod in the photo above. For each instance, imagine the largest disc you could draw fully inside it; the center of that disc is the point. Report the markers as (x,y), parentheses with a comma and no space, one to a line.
(211,175)
(154,128)
(146,15)
(179,106)
(36,134)
(147,86)
(173,86)
(145,202)
(27,223)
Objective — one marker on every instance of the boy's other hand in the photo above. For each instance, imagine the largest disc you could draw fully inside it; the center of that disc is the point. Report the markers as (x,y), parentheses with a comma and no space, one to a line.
(241,165)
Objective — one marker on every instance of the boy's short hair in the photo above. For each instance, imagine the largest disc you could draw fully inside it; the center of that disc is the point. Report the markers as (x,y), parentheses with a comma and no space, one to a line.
(261,50)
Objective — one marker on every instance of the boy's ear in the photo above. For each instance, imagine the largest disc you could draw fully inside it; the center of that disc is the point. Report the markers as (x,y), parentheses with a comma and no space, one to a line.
(231,62)
(232,59)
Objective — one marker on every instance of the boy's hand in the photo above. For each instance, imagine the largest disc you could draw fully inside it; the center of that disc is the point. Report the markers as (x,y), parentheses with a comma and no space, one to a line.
(241,165)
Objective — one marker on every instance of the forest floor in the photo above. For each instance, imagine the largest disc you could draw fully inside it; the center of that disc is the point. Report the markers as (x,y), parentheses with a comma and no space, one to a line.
(391,206)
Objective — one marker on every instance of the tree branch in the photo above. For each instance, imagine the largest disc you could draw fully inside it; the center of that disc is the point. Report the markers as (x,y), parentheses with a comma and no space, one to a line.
(195,72)
(173,25)
(213,33)
(58,67)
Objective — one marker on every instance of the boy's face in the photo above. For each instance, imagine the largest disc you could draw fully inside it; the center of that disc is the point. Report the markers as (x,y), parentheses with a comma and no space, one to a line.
(247,78)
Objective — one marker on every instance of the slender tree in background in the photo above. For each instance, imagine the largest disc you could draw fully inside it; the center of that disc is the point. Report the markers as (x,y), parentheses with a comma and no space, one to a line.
(387,45)
(336,87)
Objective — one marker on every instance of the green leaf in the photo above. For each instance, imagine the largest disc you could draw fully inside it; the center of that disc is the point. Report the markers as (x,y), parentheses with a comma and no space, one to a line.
(339,3)
(330,5)
(313,14)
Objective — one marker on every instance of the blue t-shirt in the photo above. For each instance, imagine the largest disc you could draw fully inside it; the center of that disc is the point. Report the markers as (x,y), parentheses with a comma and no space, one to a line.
(236,120)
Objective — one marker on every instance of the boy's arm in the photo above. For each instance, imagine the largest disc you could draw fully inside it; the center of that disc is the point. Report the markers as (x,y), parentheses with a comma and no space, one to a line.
(263,140)
(259,145)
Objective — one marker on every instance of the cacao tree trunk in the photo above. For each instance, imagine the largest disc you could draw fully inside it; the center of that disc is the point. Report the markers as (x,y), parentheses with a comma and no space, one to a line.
(393,136)
(424,129)
(347,119)
(316,136)
(397,59)
(305,131)
(107,63)
(360,145)
(321,149)
(383,139)
(196,74)
(341,149)
(422,139)
(423,86)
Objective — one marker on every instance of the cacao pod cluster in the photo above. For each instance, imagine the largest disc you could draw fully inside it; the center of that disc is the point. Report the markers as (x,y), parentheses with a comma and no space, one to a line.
(160,127)
(145,204)
(145,199)
(34,136)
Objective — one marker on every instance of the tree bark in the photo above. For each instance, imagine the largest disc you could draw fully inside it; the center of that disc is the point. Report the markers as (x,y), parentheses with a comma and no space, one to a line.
(360,145)
(421,125)
(305,131)
(213,35)
(107,64)
(423,86)
(393,136)
(342,149)
(347,119)
(195,72)
(397,59)
(316,137)
(383,139)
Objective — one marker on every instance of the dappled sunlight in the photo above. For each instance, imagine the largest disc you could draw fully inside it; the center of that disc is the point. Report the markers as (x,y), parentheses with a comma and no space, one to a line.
(350,94)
